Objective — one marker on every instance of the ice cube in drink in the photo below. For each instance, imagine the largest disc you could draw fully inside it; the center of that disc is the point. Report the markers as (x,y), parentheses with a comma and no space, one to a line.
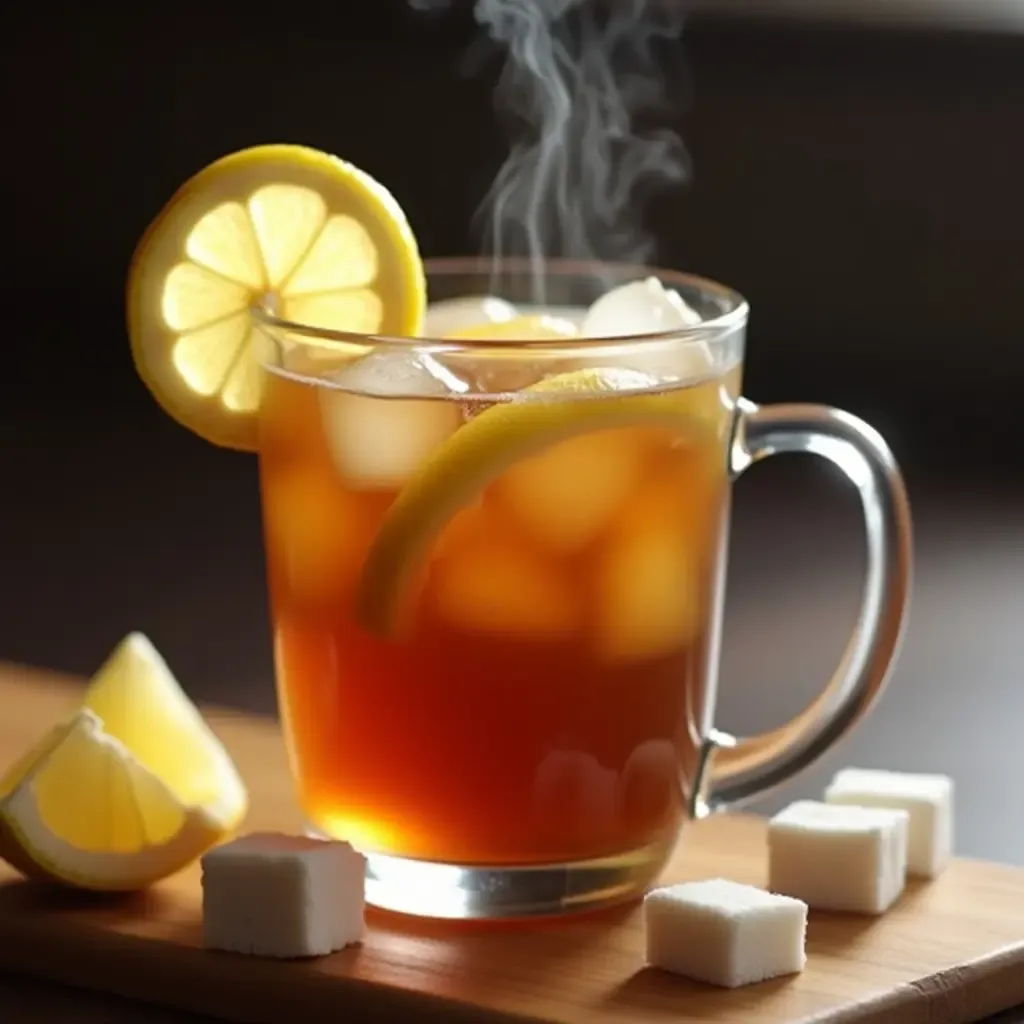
(385,413)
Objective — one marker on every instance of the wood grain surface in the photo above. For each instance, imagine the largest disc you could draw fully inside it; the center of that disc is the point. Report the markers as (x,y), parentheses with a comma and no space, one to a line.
(950,951)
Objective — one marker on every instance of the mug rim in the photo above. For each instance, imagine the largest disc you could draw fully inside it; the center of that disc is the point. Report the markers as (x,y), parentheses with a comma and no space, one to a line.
(735,315)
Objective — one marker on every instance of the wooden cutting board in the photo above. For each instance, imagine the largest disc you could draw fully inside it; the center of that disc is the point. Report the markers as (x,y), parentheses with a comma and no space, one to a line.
(950,951)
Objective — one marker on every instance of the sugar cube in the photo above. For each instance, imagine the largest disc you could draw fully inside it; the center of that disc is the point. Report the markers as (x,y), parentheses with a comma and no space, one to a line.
(837,857)
(724,933)
(282,896)
(928,799)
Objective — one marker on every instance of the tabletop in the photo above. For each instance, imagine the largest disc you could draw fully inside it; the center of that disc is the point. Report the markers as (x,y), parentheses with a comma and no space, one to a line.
(953,706)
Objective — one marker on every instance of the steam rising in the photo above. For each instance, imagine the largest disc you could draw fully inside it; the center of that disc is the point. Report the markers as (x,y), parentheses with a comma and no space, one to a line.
(578,76)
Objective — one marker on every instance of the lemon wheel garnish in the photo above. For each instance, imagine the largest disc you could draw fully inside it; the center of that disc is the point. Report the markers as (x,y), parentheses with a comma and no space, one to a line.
(132,789)
(551,411)
(305,234)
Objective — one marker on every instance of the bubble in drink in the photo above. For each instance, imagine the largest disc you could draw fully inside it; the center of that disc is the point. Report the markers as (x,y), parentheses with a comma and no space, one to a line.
(386,414)
(449,315)
(640,307)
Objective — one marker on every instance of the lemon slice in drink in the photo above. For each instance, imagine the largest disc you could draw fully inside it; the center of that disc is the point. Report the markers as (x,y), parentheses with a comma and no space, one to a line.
(504,365)
(306,234)
(131,789)
(548,412)
(529,327)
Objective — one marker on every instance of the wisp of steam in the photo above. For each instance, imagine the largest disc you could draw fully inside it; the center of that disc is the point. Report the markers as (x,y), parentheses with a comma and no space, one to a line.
(579,78)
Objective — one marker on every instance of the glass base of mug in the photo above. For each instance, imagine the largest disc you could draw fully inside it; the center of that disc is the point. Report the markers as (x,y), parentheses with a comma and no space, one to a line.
(475,892)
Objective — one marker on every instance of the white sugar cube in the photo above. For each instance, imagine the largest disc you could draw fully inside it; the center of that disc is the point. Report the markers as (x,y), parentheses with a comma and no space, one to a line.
(724,933)
(837,857)
(282,896)
(928,799)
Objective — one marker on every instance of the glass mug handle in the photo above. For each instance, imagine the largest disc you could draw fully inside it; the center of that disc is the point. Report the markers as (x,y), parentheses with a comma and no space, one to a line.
(736,770)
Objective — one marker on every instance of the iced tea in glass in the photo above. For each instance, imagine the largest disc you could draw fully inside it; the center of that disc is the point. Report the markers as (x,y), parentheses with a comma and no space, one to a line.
(496,565)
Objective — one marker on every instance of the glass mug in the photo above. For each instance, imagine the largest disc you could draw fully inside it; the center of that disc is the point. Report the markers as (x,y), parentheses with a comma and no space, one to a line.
(497,605)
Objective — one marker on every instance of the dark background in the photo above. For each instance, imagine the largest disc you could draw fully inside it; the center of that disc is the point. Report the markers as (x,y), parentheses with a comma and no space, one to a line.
(862,187)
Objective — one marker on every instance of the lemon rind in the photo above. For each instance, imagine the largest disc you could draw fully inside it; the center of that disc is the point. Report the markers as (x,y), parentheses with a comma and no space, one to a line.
(231,803)
(30,845)
(285,162)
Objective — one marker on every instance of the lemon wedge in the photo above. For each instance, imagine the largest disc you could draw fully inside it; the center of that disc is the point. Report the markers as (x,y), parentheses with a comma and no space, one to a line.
(307,235)
(131,789)
(550,411)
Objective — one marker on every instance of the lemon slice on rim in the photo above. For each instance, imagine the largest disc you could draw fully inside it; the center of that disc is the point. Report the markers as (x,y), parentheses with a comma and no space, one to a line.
(311,237)
(553,410)
(132,789)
